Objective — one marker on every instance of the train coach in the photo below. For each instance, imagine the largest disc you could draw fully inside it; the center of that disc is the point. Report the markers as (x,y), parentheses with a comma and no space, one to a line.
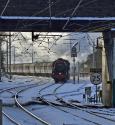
(37,69)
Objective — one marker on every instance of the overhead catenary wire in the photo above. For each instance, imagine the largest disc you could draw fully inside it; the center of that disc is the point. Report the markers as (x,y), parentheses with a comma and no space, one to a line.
(28,47)
(50,12)
(88,28)
(37,22)
(42,20)
(69,10)
(90,41)
(45,9)
(77,6)
(37,13)
(8,1)
(58,1)
(52,4)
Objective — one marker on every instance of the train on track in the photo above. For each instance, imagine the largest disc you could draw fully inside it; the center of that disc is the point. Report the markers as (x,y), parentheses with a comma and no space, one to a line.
(58,70)
(36,69)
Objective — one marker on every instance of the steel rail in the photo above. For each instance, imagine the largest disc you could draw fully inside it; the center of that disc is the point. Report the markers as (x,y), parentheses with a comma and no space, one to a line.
(83,109)
(58,108)
(27,111)
(11,119)
(8,89)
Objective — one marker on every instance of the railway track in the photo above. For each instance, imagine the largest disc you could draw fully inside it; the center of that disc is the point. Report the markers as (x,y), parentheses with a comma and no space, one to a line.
(110,121)
(10,91)
(40,120)
(66,93)
(84,109)
(64,110)
(11,119)
(16,91)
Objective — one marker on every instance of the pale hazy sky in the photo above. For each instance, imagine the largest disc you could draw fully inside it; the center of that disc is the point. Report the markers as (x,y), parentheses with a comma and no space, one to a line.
(49,50)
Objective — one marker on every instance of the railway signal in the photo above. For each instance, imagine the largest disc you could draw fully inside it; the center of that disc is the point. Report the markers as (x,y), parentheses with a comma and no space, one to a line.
(34,37)
(73,52)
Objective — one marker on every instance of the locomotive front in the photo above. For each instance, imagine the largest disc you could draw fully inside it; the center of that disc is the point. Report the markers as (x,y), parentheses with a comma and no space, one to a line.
(60,70)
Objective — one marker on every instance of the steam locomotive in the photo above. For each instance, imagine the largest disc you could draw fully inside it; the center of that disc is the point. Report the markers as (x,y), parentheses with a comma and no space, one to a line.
(60,70)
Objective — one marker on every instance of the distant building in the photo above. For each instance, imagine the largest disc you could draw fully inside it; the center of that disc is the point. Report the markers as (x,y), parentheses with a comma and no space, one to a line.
(85,66)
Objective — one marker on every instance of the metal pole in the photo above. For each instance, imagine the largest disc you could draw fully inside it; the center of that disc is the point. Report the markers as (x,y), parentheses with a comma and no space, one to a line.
(32,53)
(10,54)
(74,70)
(14,54)
(78,72)
(0,112)
(113,73)
(0,60)
(7,54)
(94,66)
(93,55)
(96,94)
(50,13)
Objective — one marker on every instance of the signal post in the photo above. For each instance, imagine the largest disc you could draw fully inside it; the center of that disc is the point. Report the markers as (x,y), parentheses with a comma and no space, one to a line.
(74,52)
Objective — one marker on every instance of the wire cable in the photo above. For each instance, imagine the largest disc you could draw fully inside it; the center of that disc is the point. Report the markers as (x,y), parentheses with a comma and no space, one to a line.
(50,13)
(8,1)
(77,6)
(83,5)
(36,14)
